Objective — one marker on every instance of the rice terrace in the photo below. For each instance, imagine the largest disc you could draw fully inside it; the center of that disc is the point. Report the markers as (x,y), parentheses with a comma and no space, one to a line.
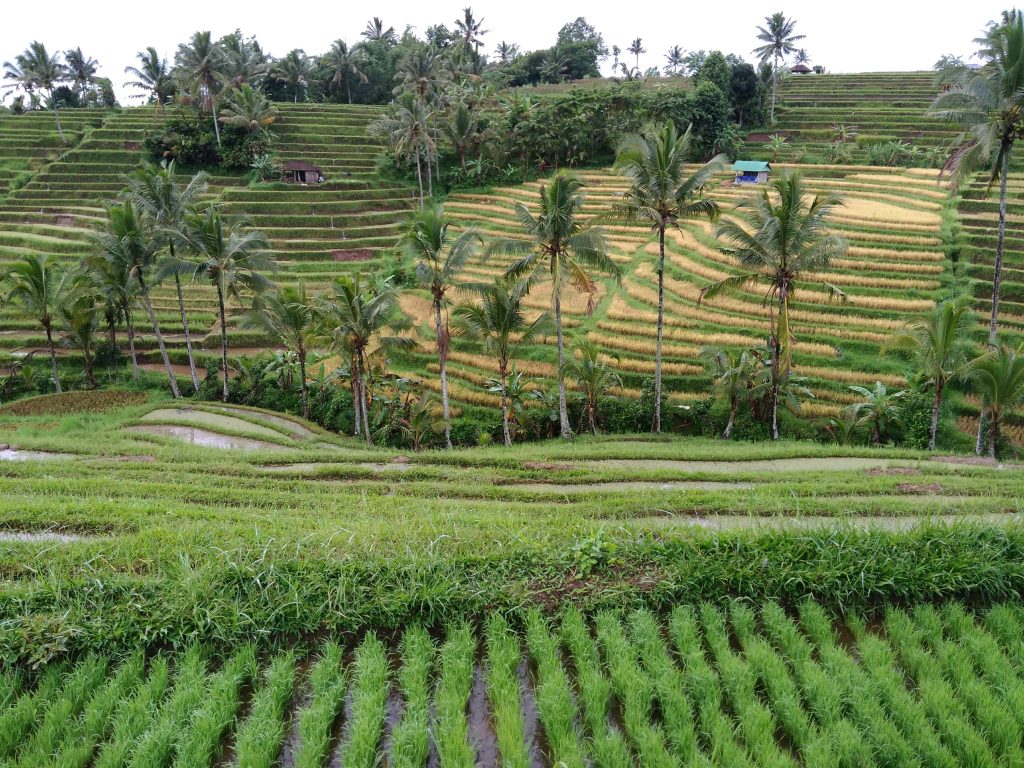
(434,399)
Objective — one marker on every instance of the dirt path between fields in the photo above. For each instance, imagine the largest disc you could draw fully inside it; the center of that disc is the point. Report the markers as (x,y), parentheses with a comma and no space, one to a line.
(811,522)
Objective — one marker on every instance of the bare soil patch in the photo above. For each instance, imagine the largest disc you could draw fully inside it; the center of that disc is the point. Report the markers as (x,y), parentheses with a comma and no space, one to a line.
(919,488)
(881,471)
(352,254)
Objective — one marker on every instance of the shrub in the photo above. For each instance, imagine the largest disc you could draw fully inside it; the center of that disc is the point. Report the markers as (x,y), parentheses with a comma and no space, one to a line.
(191,141)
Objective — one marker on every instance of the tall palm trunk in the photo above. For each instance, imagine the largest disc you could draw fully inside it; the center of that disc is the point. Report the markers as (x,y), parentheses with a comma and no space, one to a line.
(592,413)
(732,418)
(419,177)
(442,359)
(935,416)
(216,125)
(563,409)
(90,373)
(997,282)
(56,116)
(656,425)
(53,356)
(776,345)
(355,399)
(223,340)
(362,400)
(775,84)
(303,388)
(348,85)
(130,325)
(184,325)
(503,374)
(159,336)
(993,431)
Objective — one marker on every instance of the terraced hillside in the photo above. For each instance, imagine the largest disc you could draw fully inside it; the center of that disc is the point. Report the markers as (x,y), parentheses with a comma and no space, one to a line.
(882,106)
(315,231)
(896,265)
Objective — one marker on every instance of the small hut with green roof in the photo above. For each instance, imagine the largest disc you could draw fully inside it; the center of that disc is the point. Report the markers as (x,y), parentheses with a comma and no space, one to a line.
(751,171)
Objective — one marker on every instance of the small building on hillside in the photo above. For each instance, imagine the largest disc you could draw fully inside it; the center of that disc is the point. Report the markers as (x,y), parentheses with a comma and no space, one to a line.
(751,171)
(800,69)
(301,172)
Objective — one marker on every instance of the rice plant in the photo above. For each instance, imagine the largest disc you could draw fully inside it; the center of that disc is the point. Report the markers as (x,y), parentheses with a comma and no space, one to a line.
(16,722)
(134,716)
(260,737)
(451,698)
(410,740)
(503,659)
(327,685)
(369,704)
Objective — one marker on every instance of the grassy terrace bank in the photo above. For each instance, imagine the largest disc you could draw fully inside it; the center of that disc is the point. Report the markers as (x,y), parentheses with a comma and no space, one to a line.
(116,534)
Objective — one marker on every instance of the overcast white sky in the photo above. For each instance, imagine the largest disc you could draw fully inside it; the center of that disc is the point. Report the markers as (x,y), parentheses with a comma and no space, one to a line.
(859,36)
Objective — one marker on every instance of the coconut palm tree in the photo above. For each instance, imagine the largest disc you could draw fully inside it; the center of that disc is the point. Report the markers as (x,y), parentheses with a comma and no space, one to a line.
(636,48)
(288,316)
(199,63)
(940,344)
(879,409)
(359,320)
(127,237)
(81,69)
(81,318)
(779,41)
(802,57)
(674,60)
(506,51)
(411,136)
(244,60)
(154,191)
(592,374)
(734,379)
(36,70)
(999,375)
(470,30)
(419,74)
(439,257)
(232,260)
(153,76)
(246,107)
(110,275)
(294,70)
(346,64)
(777,236)
(561,248)
(375,32)
(39,287)
(662,194)
(498,321)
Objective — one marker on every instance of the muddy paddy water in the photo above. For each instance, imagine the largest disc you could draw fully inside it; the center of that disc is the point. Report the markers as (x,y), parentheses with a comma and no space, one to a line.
(9,454)
(209,420)
(205,438)
(823,464)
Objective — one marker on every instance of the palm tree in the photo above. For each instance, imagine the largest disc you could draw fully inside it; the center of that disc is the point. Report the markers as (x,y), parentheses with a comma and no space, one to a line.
(663,193)
(499,322)
(470,30)
(153,76)
(153,190)
(375,32)
(35,69)
(81,69)
(40,287)
(127,239)
(246,107)
(561,248)
(359,319)
(593,376)
(939,342)
(230,259)
(802,57)
(288,316)
(294,70)
(636,48)
(776,143)
(779,41)
(999,374)
(505,52)
(412,138)
(81,316)
(439,260)
(879,409)
(419,74)
(345,62)
(111,277)
(200,64)
(674,59)
(734,380)
(244,60)
(777,236)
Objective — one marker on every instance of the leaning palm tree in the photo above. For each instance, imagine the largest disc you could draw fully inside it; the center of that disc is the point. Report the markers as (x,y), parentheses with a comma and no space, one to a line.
(294,70)
(779,41)
(940,344)
(776,237)
(246,107)
(81,319)
(498,320)
(561,248)
(36,70)
(346,65)
(153,190)
(439,259)
(663,193)
(128,238)
(81,69)
(999,375)
(289,317)
(199,63)
(592,374)
(40,288)
(357,319)
(110,276)
(232,260)
(152,76)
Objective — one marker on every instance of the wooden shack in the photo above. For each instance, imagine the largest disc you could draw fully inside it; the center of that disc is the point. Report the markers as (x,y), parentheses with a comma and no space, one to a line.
(301,172)
(751,171)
